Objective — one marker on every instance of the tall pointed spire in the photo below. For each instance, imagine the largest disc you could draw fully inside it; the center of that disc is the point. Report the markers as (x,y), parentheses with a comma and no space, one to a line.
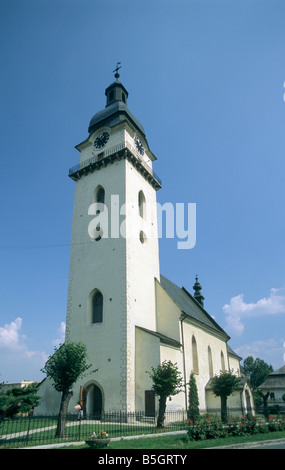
(197,294)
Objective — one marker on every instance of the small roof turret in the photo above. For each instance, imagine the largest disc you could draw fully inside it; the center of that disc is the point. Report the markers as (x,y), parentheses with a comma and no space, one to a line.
(197,294)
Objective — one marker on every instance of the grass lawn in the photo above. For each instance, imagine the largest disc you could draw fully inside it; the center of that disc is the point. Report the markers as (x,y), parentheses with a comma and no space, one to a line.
(182,442)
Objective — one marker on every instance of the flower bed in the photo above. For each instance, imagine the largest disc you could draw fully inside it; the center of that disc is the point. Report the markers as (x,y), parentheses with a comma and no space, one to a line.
(213,428)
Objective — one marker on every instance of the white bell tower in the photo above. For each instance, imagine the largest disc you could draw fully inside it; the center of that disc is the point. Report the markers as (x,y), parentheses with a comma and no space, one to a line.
(114,256)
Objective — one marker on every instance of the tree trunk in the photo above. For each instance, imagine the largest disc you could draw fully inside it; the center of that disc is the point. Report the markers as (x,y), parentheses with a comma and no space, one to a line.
(224,413)
(60,430)
(161,411)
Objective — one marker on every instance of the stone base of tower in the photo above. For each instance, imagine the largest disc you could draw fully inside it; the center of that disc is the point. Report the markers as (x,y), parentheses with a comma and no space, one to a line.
(91,398)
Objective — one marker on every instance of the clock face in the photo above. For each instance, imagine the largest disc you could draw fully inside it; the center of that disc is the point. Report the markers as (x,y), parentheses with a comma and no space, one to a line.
(139,146)
(101,140)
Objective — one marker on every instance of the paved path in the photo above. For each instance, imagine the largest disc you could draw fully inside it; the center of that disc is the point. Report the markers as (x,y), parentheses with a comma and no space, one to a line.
(271,444)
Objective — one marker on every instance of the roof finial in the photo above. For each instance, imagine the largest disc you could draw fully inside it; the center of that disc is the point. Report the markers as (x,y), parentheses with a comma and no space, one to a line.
(198,294)
(117,75)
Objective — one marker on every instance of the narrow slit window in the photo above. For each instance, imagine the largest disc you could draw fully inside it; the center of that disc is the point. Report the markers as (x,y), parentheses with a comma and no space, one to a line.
(97,307)
(223,361)
(111,95)
(195,356)
(141,203)
(99,197)
(210,362)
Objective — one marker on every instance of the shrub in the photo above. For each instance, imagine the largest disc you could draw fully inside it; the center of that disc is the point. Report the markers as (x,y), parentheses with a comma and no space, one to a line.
(242,427)
(276,424)
(205,428)
(213,428)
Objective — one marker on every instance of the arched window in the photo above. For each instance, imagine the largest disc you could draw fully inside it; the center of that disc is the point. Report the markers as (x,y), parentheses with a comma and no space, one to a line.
(101,195)
(98,197)
(223,361)
(210,362)
(97,307)
(195,356)
(141,203)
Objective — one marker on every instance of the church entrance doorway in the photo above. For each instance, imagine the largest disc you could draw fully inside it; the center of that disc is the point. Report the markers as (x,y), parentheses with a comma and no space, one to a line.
(94,401)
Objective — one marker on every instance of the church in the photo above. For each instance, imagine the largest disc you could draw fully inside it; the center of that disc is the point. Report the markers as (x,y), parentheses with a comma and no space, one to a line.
(127,313)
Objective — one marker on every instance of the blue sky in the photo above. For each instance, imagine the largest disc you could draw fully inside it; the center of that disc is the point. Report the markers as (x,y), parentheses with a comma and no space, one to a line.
(206,80)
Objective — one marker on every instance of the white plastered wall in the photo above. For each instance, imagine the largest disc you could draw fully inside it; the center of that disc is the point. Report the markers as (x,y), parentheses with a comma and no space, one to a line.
(168,323)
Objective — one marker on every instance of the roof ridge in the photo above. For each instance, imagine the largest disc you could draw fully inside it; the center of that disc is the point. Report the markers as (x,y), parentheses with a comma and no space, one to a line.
(210,321)
(203,309)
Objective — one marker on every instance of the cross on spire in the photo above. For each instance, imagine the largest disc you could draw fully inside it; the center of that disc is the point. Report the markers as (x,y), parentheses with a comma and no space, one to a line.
(118,67)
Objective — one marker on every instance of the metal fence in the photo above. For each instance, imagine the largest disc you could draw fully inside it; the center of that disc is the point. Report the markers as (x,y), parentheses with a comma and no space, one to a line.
(33,431)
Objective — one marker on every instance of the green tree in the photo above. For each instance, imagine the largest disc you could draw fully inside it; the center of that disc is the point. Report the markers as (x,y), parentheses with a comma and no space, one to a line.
(64,368)
(18,400)
(257,370)
(193,407)
(223,386)
(167,381)
(260,399)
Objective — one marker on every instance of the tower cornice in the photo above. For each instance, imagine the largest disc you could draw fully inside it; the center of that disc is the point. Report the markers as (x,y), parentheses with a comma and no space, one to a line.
(119,152)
